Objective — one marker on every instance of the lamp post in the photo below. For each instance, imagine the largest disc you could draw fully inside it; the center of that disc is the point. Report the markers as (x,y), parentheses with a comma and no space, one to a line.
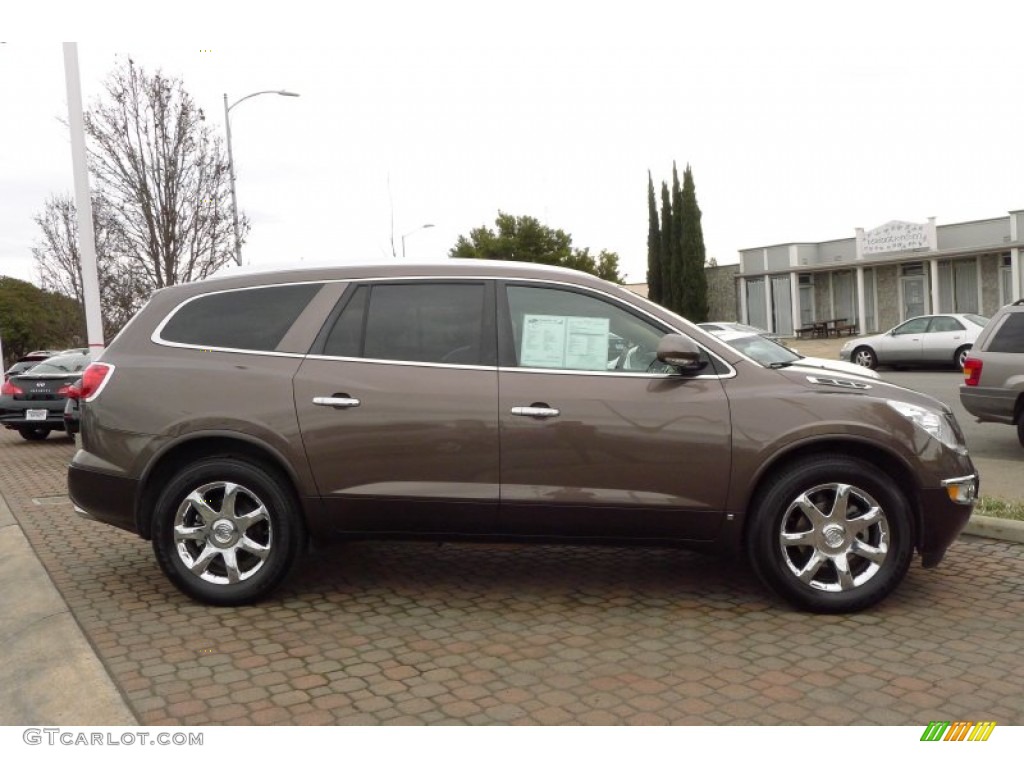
(231,163)
(412,231)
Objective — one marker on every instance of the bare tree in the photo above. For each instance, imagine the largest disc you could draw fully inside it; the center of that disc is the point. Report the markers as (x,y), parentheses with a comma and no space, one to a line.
(59,263)
(162,173)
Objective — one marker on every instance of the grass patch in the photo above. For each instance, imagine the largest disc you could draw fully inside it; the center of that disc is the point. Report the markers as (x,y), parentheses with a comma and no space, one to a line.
(1007,510)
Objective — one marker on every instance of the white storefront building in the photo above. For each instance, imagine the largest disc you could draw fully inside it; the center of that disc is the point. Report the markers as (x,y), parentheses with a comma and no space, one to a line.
(884,275)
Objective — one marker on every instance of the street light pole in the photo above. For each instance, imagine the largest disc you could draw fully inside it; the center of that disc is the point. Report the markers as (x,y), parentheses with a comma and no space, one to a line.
(411,231)
(231,164)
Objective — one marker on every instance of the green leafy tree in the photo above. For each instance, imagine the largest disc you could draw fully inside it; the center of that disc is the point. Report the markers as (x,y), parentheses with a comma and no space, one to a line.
(31,318)
(524,238)
(653,245)
(694,283)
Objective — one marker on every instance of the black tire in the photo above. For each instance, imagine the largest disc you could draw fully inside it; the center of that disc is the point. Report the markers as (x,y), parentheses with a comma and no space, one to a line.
(865,356)
(1020,428)
(876,550)
(34,433)
(960,355)
(243,547)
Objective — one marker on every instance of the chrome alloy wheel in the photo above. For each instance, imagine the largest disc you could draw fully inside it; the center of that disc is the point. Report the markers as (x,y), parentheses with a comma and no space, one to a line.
(864,357)
(222,533)
(834,537)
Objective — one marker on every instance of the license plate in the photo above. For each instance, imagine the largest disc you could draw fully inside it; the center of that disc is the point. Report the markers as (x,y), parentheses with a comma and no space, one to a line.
(36,414)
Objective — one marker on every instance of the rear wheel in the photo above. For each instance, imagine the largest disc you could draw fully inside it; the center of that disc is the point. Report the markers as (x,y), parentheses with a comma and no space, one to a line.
(865,356)
(226,531)
(961,355)
(1020,428)
(34,433)
(831,535)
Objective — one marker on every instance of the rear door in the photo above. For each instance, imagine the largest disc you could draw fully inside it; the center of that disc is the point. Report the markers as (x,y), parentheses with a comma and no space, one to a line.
(397,404)
(945,335)
(597,439)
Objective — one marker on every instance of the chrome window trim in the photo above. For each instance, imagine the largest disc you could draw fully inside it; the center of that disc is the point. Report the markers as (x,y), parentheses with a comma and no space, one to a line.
(729,374)
(382,361)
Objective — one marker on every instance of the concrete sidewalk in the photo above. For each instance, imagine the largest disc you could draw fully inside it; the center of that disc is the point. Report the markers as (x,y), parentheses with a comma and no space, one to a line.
(50,674)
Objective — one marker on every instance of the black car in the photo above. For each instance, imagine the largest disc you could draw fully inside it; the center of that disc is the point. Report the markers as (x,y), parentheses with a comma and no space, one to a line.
(33,402)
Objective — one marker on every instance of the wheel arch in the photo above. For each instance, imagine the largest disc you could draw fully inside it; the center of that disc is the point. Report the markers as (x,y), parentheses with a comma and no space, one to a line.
(187,451)
(878,456)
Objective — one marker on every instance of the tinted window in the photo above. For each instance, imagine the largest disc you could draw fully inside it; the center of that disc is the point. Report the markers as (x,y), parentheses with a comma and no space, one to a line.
(346,337)
(977,320)
(426,322)
(63,364)
(555,328)
(255,318)
(1010,336)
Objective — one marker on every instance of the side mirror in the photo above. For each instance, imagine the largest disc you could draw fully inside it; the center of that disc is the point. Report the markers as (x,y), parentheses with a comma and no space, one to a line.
(680,352)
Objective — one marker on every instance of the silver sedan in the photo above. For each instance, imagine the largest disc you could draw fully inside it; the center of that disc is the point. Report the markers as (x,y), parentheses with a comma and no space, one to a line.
(925,340)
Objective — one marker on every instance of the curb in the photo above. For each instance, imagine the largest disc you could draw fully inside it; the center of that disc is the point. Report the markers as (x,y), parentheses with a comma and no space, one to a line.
(49,672)
(995,528)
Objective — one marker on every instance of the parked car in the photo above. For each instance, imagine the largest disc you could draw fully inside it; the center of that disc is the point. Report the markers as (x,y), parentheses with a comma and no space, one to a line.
(236,417)
(775,355)
(33,402)
(727,326)
(993,388)
(924,340)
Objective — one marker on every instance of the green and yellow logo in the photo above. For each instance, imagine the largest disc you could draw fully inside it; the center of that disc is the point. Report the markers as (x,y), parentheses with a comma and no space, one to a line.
(943,730)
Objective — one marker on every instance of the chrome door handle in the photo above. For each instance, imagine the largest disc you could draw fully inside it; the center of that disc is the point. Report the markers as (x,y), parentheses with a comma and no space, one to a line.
(534,411)
(337,402)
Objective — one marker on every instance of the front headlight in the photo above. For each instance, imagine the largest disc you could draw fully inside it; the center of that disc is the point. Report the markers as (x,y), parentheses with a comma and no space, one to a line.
(931,421)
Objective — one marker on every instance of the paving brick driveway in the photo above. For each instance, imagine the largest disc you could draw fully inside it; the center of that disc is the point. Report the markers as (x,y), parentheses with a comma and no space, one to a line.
(490,634)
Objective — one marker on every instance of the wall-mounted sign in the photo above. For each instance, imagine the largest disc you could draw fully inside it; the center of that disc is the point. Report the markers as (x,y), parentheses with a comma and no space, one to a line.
(894,236)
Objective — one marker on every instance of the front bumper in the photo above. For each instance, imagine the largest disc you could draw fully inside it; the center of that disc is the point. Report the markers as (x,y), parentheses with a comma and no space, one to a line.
(943,518)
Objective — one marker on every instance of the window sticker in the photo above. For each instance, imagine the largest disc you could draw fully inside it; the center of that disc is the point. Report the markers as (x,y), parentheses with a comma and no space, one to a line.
(555,341)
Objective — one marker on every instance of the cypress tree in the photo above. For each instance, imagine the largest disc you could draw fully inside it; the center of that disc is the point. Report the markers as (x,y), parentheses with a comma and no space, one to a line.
(694,280)
(653,245)
(676,268)
(667,286)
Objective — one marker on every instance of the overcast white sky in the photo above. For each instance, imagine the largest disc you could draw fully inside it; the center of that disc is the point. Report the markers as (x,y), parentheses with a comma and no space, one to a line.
(801,121)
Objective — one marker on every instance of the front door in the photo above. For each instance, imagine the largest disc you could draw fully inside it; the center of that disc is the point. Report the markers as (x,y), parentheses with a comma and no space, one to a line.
(914,296)
(597,439)
(398,409)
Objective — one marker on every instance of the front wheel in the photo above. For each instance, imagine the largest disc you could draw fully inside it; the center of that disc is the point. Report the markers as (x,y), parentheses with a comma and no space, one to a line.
(226,531)
(831,535)
(866,357)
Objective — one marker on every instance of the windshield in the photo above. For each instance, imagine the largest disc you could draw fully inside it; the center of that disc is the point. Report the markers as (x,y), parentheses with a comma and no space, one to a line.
(63,364)
(765,351)
(977,320)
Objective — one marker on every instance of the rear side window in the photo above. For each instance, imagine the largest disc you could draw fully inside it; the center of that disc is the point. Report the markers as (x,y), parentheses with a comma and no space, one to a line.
(415,322)
(253,318)
(1010,336)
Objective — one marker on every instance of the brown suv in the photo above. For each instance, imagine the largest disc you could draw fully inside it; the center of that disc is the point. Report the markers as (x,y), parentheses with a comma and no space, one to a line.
(236,417)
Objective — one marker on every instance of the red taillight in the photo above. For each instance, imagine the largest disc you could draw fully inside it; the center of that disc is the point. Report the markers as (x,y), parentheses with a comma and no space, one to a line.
(972,372)
(10,388)
(93,379)
(69,390)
